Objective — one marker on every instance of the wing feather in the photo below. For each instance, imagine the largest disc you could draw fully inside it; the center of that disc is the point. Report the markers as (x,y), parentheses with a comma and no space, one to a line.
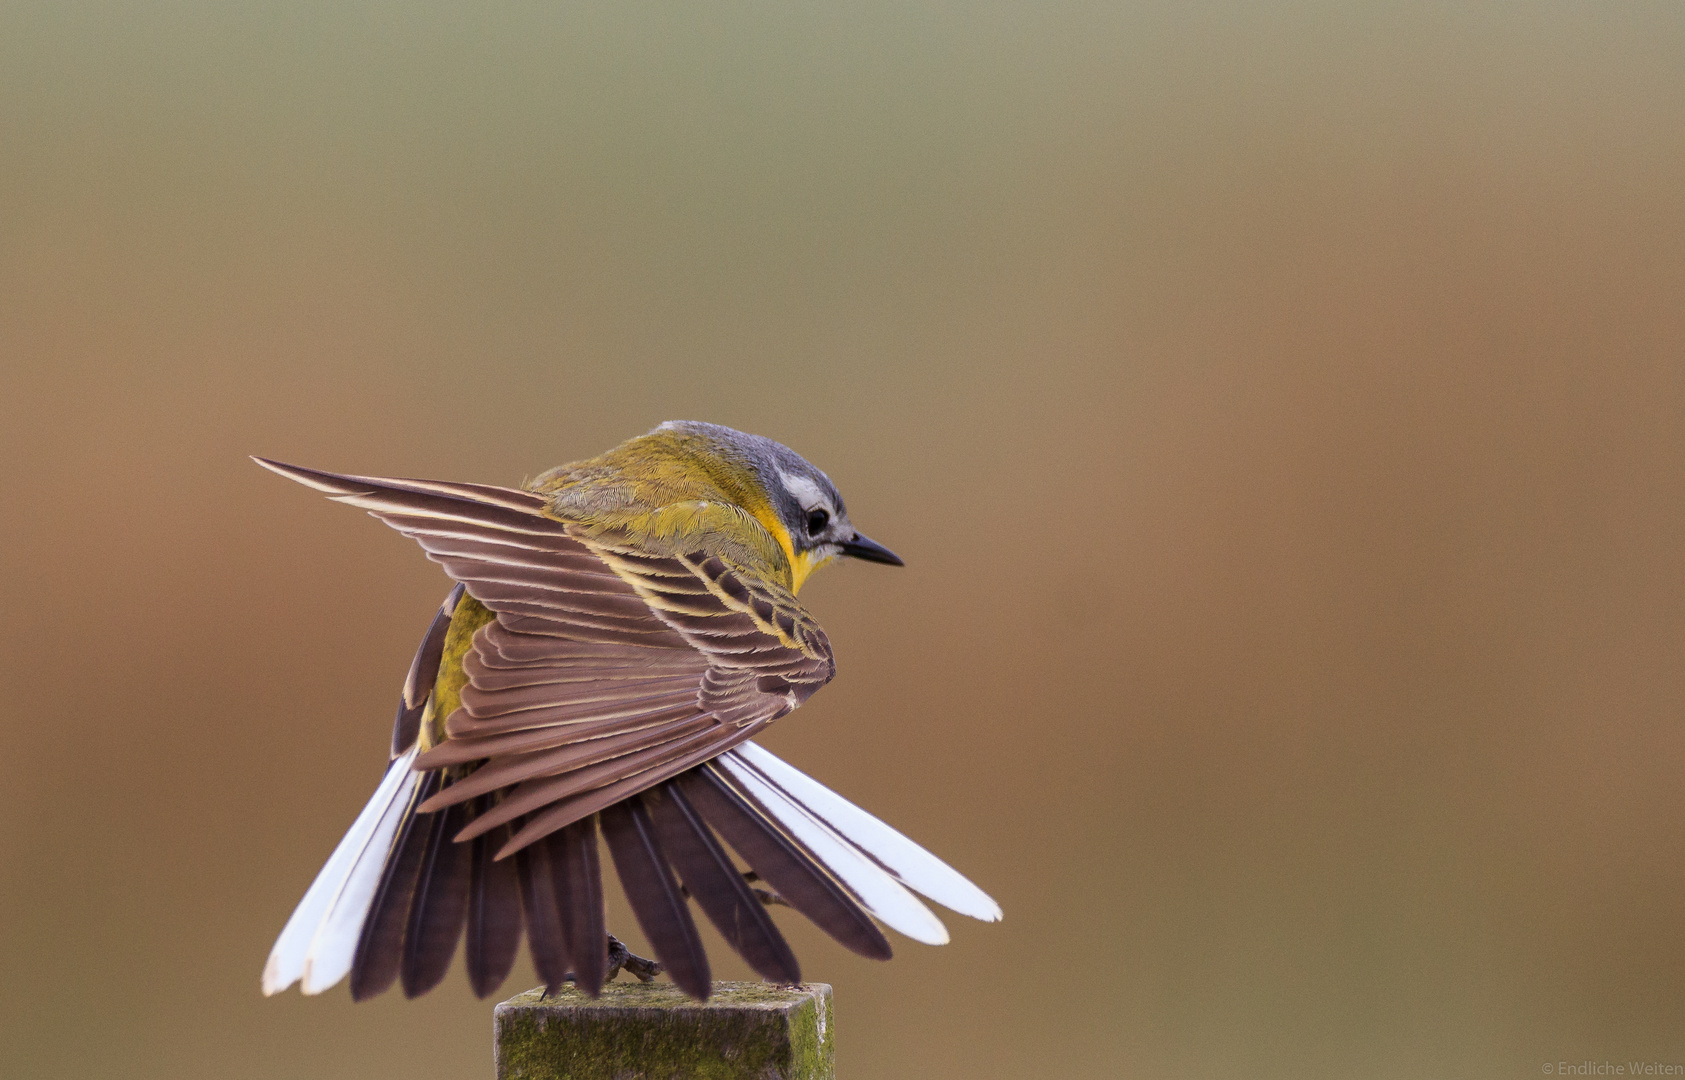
(526,740)
(510,770)
(556,801)
(571,808)
(464,724)
(487,699)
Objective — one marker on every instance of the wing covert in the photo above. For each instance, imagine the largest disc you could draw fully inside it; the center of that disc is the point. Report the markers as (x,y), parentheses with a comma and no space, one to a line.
(607,668)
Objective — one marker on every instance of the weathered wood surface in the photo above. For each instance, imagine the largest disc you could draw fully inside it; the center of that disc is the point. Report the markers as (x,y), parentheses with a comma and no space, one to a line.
(639,1031)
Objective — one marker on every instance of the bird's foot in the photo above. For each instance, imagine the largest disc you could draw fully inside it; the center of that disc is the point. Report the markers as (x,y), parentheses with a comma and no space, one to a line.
(619,956)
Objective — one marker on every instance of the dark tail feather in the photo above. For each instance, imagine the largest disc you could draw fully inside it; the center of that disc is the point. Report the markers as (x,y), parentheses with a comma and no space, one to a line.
(494,913)
(424,671)
(544,928)
(782,863)
(440,904)
(716,884)
(380,947)
(406,727)
(655,896)
(578,881)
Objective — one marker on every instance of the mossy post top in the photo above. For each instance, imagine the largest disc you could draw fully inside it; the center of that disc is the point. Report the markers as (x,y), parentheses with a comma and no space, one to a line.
(655,1032)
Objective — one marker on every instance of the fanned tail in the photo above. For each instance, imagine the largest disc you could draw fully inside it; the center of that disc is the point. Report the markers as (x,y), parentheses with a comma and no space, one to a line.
(394,899)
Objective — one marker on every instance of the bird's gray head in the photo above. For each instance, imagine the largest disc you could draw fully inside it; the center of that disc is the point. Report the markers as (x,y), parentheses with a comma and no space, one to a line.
(803,497)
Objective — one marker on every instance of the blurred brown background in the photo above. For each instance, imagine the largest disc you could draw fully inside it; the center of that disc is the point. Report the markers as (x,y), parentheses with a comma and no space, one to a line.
(1280,412)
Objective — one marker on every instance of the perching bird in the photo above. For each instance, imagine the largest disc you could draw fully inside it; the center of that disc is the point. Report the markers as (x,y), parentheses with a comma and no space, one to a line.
(619,631)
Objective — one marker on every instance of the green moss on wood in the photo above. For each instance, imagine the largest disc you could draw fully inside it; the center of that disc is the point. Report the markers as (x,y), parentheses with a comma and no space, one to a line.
(654,1032)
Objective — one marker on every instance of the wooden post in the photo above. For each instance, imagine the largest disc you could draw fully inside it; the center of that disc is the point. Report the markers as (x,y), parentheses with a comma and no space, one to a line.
(653,1031)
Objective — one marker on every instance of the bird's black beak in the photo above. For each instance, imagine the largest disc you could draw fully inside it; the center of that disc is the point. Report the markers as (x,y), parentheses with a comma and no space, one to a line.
(871,551)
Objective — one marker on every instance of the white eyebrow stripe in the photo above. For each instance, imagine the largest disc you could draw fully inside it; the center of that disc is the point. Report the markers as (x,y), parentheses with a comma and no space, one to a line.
(805,491)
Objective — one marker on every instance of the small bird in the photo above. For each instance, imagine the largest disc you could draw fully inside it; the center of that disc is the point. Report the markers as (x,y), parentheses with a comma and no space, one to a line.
(620,630)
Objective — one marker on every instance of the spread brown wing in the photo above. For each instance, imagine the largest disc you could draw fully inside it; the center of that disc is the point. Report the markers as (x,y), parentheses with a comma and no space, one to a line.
(606,670)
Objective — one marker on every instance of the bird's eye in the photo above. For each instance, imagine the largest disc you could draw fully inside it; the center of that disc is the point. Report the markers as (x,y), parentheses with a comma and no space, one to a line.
(816,521)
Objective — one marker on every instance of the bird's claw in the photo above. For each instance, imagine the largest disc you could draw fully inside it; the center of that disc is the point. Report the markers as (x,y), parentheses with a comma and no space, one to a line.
(619,956)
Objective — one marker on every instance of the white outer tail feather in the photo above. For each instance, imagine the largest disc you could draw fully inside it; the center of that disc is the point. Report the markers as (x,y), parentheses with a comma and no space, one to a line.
(905,860)
(320,940)
(877,892)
